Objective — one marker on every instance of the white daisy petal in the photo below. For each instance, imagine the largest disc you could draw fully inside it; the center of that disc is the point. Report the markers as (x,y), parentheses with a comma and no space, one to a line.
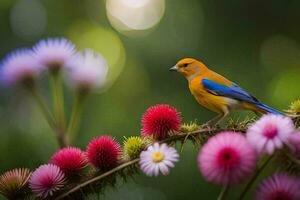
(158,158)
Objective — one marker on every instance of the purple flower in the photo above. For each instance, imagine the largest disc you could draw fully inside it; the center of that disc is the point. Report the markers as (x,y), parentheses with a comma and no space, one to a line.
(54,53)
(87,70)
(20,66)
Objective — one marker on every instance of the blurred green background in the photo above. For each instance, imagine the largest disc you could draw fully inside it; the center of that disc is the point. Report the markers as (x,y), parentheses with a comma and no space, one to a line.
(254,43)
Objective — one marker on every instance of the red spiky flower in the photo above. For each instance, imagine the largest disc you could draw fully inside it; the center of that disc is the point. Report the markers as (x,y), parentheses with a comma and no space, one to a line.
(71,160)
(158,120)
(103,152)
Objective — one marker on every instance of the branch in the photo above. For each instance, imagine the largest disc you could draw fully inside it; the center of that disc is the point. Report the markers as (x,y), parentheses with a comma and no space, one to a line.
(201,134)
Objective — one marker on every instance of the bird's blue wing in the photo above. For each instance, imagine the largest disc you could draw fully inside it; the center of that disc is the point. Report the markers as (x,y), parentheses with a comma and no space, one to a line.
(233,92)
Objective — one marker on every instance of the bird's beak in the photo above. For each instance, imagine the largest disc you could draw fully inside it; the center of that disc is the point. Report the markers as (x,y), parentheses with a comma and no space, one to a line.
(174,68)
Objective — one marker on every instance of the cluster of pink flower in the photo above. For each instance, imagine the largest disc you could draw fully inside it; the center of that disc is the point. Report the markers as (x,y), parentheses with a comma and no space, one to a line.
(102,153)
(229,158)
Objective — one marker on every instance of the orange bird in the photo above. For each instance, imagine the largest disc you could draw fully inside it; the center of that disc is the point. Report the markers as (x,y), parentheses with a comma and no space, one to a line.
(217,93)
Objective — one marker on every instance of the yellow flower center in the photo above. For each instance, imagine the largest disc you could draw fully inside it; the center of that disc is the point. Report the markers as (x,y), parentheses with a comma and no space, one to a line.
(157,156)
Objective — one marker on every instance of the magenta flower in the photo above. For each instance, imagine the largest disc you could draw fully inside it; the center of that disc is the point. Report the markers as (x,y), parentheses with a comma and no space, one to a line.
(20,67)
(103,152)
(158,120)
(71,160)
(227,158)
(46,180)
(54,53)
(158,158)
(87,70)
(270,132)
(277,187)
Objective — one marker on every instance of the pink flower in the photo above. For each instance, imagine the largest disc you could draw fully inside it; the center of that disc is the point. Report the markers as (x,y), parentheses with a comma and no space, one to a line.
(158,120)
(227,158)
(158,158)
(279,186)
(294,142)
(103,152)
(270,132)
(20,66)
(46,180)
(71,160)
(53,53)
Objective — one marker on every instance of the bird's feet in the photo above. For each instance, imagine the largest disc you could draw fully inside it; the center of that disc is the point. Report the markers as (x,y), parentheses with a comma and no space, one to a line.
(208,126)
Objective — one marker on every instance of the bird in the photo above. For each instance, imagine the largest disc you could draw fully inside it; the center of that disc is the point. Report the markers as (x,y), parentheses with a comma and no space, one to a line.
(217,93)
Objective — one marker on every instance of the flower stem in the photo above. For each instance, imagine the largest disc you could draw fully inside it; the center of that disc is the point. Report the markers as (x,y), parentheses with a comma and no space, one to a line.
(42,105)
(254,177)
(48,115)
(58,99)
(75,116)
(223,193)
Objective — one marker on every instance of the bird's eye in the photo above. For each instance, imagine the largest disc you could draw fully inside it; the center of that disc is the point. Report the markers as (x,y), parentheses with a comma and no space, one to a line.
(185,65)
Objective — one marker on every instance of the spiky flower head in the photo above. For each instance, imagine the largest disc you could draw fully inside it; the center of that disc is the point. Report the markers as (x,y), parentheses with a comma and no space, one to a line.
(227,158)
(71,160)
(294,107)
(20,67)
(133,146)
(13,182)
(46,180)
(277,187)
(189,127)
(159,120)
(269,133)
(53,53)
(87,70)
(103,152)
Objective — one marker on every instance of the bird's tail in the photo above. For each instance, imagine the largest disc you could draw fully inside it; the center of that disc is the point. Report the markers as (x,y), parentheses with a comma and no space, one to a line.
(266,109)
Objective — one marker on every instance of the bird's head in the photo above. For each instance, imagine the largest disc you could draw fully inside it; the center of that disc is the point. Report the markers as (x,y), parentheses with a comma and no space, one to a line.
(189,67)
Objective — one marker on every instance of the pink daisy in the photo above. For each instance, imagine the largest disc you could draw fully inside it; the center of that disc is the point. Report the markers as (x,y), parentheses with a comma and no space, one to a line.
(158,158)
(270,132)
(103,152)
(46,180)
(158,120)
(53,53)
(71,160)
(87,70)
(227,158)
(277,187)
(21,67)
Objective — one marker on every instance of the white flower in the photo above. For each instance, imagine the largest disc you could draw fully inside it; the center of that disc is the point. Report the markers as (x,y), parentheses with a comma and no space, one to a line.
(270,132)
(158,158)
(87,70)
(54,52)
(19,66)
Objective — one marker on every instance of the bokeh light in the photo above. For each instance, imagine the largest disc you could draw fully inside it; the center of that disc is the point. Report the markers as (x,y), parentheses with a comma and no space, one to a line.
(129,16)
(284,88)
(28,19)
(279,52)
(104,41)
